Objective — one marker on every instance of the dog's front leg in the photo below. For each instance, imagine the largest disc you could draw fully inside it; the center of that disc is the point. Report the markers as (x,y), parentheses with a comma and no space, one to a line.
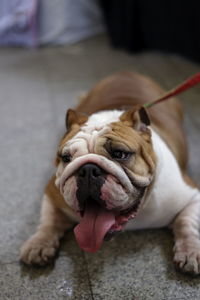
(187,242)
(41,247)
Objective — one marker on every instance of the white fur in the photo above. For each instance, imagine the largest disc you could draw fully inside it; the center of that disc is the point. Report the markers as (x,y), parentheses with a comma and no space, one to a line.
(169,195)
(101,119)
(85,140)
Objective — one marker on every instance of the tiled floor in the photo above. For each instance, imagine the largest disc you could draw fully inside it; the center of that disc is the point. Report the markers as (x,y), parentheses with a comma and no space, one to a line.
(36,88)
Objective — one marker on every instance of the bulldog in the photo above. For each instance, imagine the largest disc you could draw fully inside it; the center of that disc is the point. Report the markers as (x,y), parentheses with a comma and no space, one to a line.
(120,167)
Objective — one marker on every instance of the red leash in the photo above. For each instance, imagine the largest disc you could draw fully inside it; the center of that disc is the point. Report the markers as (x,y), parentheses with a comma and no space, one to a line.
(186,85)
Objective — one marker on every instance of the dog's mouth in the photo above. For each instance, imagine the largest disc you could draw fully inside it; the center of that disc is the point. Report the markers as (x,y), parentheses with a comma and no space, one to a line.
(105,199)
(98,224)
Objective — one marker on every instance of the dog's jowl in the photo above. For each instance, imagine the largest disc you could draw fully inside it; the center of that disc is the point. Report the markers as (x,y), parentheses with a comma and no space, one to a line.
(120,167)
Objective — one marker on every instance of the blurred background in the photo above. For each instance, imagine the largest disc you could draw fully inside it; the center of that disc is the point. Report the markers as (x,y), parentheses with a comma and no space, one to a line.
(52,51)
(132,25)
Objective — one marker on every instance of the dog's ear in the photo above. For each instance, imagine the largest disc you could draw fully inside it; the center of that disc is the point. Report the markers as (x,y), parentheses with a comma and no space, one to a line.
(73,117)
(137,117)
(144,117)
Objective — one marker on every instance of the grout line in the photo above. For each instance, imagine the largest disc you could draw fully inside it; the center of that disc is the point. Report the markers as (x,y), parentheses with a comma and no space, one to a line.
(88,275)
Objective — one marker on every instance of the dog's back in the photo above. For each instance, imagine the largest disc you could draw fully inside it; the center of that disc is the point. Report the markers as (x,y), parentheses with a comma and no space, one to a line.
(131,89)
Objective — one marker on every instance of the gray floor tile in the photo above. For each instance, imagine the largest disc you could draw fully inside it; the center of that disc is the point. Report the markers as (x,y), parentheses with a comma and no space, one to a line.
(67,279)
(138,265)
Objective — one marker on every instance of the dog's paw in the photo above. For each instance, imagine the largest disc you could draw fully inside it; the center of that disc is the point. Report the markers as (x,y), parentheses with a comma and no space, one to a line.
(187,256)
(38,250)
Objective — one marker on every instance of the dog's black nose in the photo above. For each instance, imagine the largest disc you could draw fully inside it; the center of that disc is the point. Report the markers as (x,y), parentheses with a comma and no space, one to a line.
(90,178)
(90,172)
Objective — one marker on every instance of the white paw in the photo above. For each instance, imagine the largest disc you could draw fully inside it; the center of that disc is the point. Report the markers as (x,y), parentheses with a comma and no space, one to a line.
(187,256)
(38,250)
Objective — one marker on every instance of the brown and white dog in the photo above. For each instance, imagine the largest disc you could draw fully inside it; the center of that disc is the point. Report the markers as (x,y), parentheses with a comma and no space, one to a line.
(117,171)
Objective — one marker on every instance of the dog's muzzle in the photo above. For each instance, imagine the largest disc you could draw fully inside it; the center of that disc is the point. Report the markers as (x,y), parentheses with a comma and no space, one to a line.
(103,195)
(90,178)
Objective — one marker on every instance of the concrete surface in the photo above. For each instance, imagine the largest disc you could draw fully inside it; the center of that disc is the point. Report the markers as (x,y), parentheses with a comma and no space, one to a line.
(36,88)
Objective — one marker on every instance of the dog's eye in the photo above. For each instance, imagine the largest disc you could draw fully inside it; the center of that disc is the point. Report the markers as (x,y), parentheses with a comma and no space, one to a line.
(120,155)
(66,158)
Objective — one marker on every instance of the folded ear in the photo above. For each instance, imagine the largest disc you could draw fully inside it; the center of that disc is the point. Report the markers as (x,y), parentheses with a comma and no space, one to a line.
(137,118)
(73,117)
(144,117)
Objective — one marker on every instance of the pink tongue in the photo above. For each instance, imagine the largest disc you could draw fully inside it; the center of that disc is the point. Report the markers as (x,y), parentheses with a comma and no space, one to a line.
(93,227)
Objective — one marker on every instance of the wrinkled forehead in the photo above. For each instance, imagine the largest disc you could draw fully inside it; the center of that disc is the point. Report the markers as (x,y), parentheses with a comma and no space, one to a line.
(97,125)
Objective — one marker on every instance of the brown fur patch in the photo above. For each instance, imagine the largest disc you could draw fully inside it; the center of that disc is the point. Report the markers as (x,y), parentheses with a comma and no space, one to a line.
(137,117)
(75,128)
(54,195)
(74,117)
(67,136)
(124,137)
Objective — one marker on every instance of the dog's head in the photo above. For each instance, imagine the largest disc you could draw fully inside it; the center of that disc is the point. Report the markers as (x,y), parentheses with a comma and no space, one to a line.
(105,165)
